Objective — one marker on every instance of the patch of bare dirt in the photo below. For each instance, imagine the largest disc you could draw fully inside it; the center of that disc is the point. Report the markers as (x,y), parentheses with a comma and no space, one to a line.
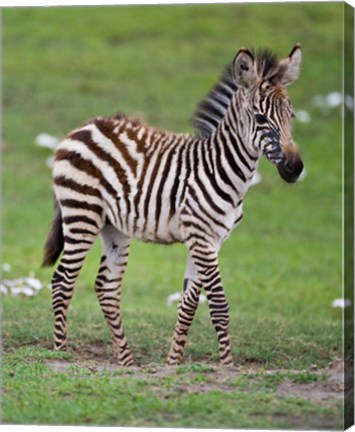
(330,384)
(327,389)
(304,422)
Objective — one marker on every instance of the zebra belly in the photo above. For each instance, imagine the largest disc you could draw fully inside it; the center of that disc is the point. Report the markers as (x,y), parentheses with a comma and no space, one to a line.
(149,231)
(136,220)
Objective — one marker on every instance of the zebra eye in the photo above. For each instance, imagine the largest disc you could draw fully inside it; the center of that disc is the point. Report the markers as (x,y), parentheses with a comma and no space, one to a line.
(293,115)
(260,119)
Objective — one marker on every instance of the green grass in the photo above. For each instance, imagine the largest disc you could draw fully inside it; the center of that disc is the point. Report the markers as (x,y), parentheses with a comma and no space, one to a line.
(281,268)
(187,397)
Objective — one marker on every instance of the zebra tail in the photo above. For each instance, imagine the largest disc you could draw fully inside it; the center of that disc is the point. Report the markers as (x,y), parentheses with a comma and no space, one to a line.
(55,241)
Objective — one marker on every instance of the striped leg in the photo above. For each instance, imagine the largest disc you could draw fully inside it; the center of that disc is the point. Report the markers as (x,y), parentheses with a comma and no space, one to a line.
(205,259)
(108,287)
(79,235)
(186,312)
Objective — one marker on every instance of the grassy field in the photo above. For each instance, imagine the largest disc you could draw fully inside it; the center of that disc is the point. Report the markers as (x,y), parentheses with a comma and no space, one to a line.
(281,269)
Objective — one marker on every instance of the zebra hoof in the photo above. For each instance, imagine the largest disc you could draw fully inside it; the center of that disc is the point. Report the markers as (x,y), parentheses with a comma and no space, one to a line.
(228,365)
(127,362)
(173,362)
(61,347)
(227,362)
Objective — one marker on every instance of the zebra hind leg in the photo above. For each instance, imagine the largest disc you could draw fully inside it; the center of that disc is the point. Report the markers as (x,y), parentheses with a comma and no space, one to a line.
(108,287)
(79,233)
(186,312)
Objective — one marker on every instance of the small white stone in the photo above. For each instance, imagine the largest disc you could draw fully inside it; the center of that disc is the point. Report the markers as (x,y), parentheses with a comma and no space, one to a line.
(27,291)
(173,298)
(303,116)
(29,286)
(46,140)
(15,290)
(33,283)
(333,99)
(349,102)
(341,303)
(8,282)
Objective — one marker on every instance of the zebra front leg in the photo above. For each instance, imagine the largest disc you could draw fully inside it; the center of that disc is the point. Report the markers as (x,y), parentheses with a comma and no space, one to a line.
(186,311)
(108,288)
(205,259)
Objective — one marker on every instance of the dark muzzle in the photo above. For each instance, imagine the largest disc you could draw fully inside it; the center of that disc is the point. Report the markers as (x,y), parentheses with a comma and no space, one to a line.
(290,168)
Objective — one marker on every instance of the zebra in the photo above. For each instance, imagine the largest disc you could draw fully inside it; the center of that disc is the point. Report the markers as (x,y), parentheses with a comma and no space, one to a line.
(119,178)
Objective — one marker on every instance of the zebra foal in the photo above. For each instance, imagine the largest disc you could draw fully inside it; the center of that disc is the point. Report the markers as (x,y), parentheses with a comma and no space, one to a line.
(122,179)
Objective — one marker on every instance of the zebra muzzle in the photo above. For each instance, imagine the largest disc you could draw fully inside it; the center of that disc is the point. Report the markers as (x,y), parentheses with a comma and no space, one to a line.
(290,168)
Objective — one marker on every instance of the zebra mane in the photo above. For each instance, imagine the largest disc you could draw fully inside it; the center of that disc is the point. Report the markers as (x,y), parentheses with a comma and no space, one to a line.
(211,109)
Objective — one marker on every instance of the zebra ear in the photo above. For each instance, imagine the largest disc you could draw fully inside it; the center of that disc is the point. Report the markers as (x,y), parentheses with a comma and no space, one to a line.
(244,73)
(289,68)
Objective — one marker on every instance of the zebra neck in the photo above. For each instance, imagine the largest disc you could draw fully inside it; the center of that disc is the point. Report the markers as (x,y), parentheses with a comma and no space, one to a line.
(234,155)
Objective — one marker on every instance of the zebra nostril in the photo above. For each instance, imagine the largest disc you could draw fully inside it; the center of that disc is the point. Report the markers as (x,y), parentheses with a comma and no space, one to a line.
(288,166)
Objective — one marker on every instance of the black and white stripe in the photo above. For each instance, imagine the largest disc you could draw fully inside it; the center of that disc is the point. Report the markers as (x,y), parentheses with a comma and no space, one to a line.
(121,179)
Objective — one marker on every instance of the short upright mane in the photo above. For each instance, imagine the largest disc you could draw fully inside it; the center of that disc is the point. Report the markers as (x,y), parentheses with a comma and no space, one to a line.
(212,108)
